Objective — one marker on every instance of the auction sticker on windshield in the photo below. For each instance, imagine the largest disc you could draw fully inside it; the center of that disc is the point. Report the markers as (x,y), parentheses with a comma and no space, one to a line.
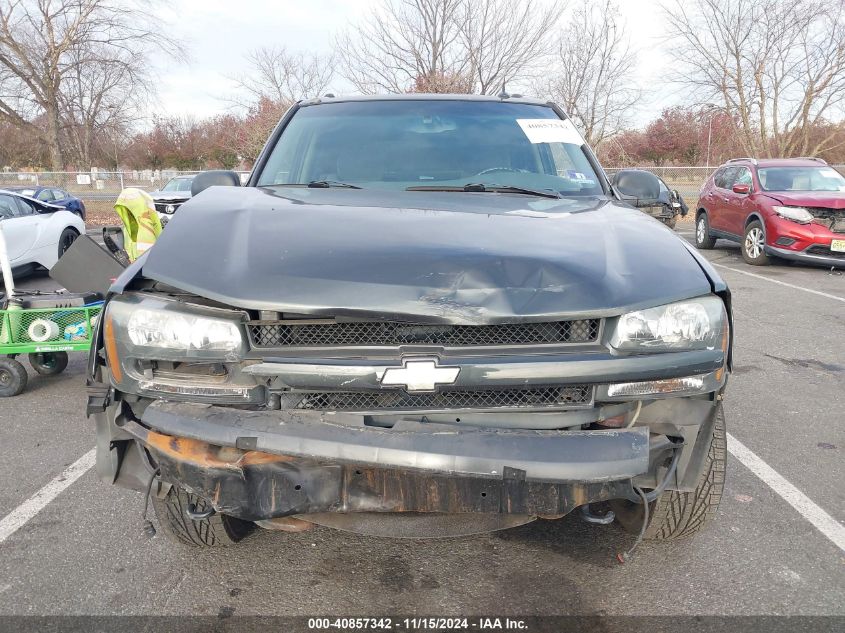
(550,131)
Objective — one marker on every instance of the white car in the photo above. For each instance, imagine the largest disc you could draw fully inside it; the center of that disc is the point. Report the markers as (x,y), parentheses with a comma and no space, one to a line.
(36,233)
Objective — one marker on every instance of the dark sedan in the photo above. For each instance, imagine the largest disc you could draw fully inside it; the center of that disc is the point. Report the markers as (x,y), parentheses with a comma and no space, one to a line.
(54,196)
(170,197)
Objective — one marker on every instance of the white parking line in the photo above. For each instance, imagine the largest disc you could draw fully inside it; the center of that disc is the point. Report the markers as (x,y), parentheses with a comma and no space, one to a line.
(820,519)
(19,517)
(781,283)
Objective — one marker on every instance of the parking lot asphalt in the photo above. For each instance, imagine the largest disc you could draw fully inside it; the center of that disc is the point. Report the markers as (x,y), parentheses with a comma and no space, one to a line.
(85,553)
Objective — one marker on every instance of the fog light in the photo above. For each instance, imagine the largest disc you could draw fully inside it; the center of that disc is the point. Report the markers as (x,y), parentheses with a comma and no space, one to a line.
(649,387)
(785,241)
(195,390)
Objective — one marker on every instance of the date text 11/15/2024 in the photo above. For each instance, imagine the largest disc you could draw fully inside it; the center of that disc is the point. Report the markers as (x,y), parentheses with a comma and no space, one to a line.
(418,624)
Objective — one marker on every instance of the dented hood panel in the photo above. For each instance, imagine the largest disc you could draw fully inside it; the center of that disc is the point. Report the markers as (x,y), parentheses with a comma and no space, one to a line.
(422,256)
(827,199)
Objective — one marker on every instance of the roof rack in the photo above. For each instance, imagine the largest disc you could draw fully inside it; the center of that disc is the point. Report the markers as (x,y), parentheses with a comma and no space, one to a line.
(818,160)
(736,160)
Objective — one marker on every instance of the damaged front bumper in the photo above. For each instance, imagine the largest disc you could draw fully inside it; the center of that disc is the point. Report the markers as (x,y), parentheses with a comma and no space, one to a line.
(259,465)
(816,254)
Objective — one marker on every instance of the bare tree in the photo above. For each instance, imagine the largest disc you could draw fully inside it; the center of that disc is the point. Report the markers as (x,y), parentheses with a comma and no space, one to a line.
(445,44)
(276,78)
(98,103)
(592,78)
(443,83)
(506,40)
(776,66)
(53,52)
(401,41)
(284,77)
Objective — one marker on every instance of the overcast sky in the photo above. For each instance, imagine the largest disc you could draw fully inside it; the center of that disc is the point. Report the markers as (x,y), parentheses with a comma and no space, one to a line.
(218,34)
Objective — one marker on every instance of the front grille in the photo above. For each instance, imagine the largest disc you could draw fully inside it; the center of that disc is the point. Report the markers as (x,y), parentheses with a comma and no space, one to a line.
(832,219)
(447,399)
(161,207)
(274,334)
(824,251)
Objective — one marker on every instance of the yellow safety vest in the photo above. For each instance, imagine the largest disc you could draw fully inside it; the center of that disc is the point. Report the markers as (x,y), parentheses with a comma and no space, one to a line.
(141,224)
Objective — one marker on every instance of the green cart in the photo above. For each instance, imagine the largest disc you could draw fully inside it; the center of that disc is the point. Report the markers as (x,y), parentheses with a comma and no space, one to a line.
(46,335)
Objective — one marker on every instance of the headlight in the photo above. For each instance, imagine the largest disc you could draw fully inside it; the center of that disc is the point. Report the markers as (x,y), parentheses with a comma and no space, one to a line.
(159,347)
(182,332)
(694,324)
(164,329)
(796,214)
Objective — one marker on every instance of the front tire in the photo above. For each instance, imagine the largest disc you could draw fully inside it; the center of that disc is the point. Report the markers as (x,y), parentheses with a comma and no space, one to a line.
(703,239)
(754,244)
(218,530)
(681,514)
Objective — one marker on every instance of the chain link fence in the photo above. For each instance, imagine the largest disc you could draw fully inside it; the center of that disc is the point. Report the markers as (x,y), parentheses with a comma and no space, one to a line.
(95,185)
(687,180)
(103,187)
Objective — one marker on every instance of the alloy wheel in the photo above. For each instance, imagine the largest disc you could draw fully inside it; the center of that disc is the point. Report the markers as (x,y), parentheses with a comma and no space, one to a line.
(701,230)
(754,243)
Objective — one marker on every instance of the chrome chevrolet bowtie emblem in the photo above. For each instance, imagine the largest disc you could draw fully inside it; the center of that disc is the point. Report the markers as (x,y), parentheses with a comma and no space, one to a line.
(420,375)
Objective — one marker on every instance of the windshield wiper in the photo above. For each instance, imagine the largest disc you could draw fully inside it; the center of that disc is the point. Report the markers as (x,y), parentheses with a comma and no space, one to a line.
(474,187)
(316,184)
(325,184)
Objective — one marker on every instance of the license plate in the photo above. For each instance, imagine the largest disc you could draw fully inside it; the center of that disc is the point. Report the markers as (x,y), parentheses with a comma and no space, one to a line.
(838,246)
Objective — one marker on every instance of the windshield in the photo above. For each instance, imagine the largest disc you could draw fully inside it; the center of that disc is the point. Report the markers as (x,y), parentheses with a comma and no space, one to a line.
(801,179)
(178,184)
(413,143)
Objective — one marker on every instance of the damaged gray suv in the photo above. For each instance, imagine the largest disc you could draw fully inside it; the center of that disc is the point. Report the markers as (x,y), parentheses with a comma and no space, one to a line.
(424,315)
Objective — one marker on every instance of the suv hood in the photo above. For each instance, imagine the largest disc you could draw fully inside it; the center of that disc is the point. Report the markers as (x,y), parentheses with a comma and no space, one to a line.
(422,256)
(166,196)
(826,199)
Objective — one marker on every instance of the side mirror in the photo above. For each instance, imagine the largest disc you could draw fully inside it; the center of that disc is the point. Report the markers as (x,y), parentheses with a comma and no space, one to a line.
(636,184)
(742,189)
(216,177)
(675,194)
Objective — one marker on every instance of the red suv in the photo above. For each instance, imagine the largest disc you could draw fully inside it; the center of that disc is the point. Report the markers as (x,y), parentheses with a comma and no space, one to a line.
(792,208)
